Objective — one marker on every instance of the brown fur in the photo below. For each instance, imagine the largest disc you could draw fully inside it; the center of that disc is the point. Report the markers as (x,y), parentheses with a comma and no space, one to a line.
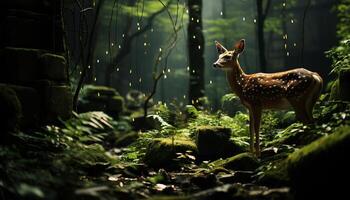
(296,88)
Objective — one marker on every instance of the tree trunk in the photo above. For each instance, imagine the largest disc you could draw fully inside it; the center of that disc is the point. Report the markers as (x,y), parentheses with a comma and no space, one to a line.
(260,27)
(195,51)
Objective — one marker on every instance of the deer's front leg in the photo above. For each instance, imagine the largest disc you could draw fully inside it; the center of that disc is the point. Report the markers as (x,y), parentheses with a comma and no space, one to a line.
(257,118)
(251,130)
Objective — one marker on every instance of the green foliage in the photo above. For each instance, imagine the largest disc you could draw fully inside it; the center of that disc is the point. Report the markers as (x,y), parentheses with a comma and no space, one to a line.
(343,10)
(340,56)
(238,124)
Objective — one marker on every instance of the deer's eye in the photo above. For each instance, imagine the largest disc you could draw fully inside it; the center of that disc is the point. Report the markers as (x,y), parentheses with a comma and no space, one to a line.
(227,57)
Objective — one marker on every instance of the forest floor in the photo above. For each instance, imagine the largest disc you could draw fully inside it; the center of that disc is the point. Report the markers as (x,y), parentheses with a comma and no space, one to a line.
(184,154)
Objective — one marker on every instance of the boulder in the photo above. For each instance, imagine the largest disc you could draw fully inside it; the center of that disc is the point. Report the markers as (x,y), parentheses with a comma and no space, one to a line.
(19,65)
(31,5)
(320,170)
(54,67)
(240,162)
(191,112)
(162,152)
(231,104)
(10,110)
(101,98)
(30,103)
(115,105)
(57,101)
(125,139)
(135,99)
(21,28)
(295,134)
(97,91)
(214,142)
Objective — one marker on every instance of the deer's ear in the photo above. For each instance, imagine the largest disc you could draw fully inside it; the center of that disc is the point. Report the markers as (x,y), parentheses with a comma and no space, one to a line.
(221,49)
(239,46)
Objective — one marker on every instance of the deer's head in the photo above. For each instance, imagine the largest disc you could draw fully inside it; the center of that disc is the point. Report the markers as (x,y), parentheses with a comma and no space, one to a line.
(228,58)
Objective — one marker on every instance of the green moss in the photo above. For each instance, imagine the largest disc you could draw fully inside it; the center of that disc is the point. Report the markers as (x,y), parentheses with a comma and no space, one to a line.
(191,112)
(318,167)
(116,104)
(162,151)
(92,91)
(274,174)
(243,161)
(295,134)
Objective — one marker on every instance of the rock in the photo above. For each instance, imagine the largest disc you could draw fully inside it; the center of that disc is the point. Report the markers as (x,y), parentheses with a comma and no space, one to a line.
(125,139)
(54,67)
(101,98)
(320,170)
(162,152)
(32,5)
(227,192)
(344,84)
(10,111)
(96,91)
(191,112)
(236,177)
(240,162)
(58,102)
(214,143)
(31,105)
(21,28)
(115,105)
(19,65)
(295,134)
(204,181)
(231,104)
(135,99)
(275,174)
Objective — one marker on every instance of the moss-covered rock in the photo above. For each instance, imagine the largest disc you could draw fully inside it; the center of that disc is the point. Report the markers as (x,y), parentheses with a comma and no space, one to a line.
(321,169)
(19,65)
(191,112)
(296,134)
(274,174)
(54,67)
(115,104)
(242,162)
(126,139)
(213,142)
(135,99)
(96,91)
(231,104)
(10,110)
(101,98)
(58,102)
(162,152)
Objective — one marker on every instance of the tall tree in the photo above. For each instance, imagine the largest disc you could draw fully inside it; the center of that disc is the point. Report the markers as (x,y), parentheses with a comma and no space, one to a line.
(262,9)
(195,51)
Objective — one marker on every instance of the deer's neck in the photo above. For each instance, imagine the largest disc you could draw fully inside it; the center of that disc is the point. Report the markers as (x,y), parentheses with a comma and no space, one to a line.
(235,77)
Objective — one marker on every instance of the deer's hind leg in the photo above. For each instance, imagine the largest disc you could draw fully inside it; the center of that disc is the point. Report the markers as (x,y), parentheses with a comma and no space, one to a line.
(300,108)
(254,127)
(315,93)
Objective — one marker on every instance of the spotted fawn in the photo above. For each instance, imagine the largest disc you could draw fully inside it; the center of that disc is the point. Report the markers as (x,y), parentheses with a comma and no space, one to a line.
(297,88)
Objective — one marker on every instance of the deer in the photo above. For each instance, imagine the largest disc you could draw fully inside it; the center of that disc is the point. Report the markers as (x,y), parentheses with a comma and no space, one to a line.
(298,89)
